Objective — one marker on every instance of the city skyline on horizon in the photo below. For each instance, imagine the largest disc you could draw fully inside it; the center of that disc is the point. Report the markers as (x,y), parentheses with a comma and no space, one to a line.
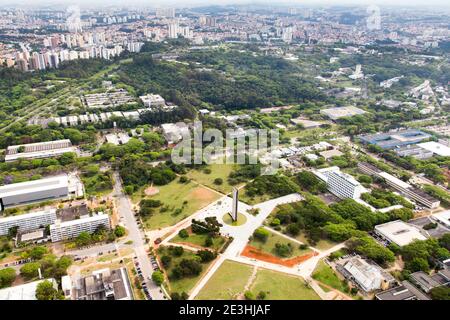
(198,3)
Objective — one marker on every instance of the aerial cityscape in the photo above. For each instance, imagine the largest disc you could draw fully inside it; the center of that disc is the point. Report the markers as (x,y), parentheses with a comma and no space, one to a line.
(225,151)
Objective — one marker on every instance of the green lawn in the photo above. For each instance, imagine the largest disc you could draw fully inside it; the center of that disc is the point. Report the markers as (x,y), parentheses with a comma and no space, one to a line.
(325,274)
(322,244)
(227,282)
(269,245)
(199,240)
(279,286)
(217,171)
(188,197)
(241,219)
(184,284)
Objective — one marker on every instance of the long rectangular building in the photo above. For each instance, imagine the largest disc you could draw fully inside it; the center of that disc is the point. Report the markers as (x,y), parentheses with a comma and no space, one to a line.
(39,150)
(395,139)
(27,222)
(404,188)
(32,191)
(71,229)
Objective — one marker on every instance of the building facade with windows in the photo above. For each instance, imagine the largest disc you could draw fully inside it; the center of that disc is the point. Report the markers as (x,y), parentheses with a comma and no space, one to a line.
(27,222)
(71,229)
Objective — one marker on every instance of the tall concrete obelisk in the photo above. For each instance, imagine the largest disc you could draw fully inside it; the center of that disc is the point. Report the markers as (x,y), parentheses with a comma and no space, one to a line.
(234,209)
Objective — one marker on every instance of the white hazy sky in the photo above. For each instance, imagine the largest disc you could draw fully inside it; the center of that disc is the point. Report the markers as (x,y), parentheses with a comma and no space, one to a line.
(189,3)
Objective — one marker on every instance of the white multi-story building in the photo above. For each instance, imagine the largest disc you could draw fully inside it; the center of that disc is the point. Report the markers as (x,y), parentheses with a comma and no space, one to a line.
(71,229)
(173,31)
(152,100)
(28,222)
(340,184)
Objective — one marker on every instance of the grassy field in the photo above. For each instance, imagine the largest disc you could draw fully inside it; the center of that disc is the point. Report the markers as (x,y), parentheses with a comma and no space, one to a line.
(217,171)
(326,275)
(199,240)
(227,282)
(279,286)
(269,245)
(188,197)
(323,244)
(184,284)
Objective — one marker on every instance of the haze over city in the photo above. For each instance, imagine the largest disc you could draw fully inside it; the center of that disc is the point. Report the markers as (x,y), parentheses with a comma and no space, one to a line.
(225,150)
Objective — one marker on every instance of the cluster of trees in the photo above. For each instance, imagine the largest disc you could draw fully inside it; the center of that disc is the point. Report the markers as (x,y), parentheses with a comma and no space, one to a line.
(46,291)
(50,266)
(308,181)
(77,69)
(432,168)
(438,193)
(21,133)
(135,173)
(244,173)
(370,248)
(209,226)
(96,181)
(99,235)
(380,198)
(266,81)
(148,148)
(7,277)
(422,255)
(337,222)
(273,185)
(147,207)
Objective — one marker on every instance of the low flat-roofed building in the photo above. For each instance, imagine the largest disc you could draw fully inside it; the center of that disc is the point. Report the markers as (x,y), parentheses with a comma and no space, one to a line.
(406,291)
(174,132)
(413,151)
(399,232)
(341,112)
(33,191)
(435,147)
(395,139)
(64,230)
(404,188)
(25,291)
(442,218)
(103,284)
(426,282)
(28,221)
(31,236)
(307,124)
(327,154)
(39,150)
(366,274)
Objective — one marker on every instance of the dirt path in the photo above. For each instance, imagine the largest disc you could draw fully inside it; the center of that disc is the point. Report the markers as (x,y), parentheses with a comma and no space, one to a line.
(335,291)
(249,283)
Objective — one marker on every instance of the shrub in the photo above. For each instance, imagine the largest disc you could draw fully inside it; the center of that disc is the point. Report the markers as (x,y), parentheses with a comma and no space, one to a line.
(119,231)
(158,277)
(261,234)
(183,234)
(249,295)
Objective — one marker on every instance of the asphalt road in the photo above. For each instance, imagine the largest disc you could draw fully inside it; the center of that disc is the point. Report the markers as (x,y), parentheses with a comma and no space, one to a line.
(135,234)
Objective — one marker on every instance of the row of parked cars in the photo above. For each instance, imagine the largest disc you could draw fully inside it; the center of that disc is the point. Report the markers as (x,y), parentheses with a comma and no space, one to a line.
(142,279)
